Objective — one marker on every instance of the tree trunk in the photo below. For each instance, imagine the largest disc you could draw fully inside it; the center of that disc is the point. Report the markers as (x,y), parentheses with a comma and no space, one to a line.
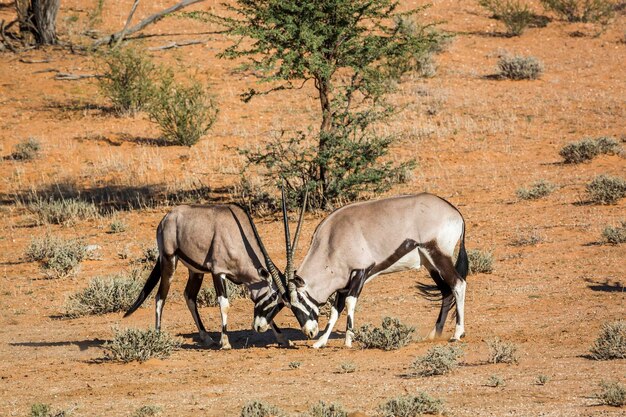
(326,127)
(37,19)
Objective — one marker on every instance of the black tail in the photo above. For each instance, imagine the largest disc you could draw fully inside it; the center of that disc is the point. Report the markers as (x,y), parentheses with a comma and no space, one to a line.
(153,280)
(462,262)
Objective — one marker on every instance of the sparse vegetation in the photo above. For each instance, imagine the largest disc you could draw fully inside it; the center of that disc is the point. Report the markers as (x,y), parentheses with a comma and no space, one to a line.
(587,149)
(261,409)
(254,197)
(480,262)
(611,343)
(412,406)
(127,79)
(294,364)
(597,11)
(391,335)
(149,255)
(347,368)
(519,67)
(57,256)
(104,295)
(542,379)
(439,360)
(44,410)
(184,113)
(495,381)
(147,411)
(207,296)
(615,235)
(322,409)
(515,15)
(501,351)
(26,150)
(528,239)
(117,226)
(605,189)
(537,190)
(65,212)
(612,393)
(139,345)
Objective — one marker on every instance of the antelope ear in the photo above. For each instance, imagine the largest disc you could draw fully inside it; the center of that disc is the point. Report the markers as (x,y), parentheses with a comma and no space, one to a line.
(299,282)
(264,274)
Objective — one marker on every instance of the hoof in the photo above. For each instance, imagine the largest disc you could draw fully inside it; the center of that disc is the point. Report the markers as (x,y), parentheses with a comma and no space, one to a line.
(318,345)
(225,346)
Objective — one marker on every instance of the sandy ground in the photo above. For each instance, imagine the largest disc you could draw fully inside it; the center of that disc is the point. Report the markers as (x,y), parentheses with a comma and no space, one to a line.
(477,141)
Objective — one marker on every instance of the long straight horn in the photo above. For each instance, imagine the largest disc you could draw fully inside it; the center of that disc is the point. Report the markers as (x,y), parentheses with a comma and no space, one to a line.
(268,261)
(289,266)
(297,235)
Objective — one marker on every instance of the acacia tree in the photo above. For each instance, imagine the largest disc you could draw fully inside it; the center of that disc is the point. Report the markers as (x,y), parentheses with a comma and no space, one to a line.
(37,20)
(353,51)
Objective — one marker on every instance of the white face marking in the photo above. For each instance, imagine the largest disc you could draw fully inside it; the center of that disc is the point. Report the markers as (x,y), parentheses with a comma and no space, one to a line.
(260,324)
(310,328)
(310,303)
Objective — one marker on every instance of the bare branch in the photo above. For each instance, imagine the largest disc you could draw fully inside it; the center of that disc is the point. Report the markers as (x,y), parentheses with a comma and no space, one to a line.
(175,45)
(110,39)
(130,17)
(64,76)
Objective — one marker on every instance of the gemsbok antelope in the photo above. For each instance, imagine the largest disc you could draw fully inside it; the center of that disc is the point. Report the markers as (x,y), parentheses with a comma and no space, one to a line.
(362,240)
(221,240)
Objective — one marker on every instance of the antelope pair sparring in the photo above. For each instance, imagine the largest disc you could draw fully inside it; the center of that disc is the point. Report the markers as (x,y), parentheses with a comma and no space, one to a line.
(350,247)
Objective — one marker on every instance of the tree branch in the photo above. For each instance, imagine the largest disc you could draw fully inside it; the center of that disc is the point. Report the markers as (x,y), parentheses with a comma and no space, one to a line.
(130,17)
(147,21)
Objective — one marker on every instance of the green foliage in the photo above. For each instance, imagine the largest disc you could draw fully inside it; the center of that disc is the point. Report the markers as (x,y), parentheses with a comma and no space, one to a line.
(127,79)
(207,297)
(255,198)
(139,345)
(439,360)
(480,262)
(44,410)
(322,409)
(597,11)
(149,255)
(104,295)
(615,235)
(184,113)
(347,368)
(587,149)
(515,15)
(612,393)
(147,411)
(611,343)
(530,239)
(57,256)
(542,379)
(412,406)
(605,189)
(536,191)
(495,381)
(261,409)
(63,211)
(501,351)
(520,67)
(355,52)
(392,335)
(26,150)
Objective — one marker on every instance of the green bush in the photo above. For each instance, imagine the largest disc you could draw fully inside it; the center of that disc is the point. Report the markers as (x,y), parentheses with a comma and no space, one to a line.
(439,360)
(261,409)
(57,256)
(104,295)
(501,351)
(184,113)
(611,344)
(600,11)
(515,15)
(139,345)
(147,411)
(321,409)
(495,381)
(530,239)
(536,191)
(542,379)
(347,368)
(612,393)
(605,189)
(117,226)
(411,406)
(615,235)
(127,79)
(392,335)
(587,149)
(480,262)
(26,150)
(520,67)
(207,297)
(255,198)
(65,212)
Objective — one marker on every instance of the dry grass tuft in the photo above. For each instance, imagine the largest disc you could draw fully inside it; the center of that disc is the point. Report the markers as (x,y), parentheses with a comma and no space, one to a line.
(501,351)
(139,345)
(412,405)
(611,343)
(439,360)
(390,336)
